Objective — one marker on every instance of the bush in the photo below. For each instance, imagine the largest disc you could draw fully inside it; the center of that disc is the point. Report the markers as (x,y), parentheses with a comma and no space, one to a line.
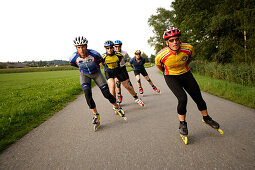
(3,66)
(238,73)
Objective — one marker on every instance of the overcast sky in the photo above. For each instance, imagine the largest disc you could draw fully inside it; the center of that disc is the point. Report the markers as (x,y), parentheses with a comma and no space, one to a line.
(45,29)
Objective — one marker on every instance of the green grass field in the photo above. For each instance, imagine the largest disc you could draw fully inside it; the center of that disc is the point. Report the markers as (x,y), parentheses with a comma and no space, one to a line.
(237,93)
(28,99)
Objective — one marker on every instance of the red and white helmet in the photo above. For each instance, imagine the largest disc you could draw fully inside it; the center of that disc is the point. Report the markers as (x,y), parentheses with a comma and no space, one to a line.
(171,32)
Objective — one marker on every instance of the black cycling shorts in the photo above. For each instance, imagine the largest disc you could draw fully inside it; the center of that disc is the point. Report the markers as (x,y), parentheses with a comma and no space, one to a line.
(124,71)
(116,73)
(142,71)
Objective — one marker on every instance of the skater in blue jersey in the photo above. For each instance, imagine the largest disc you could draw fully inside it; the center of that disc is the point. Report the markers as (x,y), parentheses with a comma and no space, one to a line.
(88,61)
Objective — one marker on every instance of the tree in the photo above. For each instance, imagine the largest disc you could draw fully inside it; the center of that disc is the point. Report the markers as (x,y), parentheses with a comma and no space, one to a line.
(221,31)
(159,22)
(3,66)
(152,58)
(145,56)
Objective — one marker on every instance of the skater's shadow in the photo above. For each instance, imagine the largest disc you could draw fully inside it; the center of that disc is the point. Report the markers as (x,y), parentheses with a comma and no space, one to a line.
(112,125)
(147,95)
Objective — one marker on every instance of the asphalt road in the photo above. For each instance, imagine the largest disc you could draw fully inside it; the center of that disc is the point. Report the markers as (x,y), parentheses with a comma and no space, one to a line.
(148,140)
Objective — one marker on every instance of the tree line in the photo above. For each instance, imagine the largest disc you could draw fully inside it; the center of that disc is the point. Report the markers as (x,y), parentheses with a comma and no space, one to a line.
(35,63)
(220,30)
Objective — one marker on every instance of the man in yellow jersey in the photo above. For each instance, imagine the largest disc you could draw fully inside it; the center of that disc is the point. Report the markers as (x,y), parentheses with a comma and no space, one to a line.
(173,61)
(118,48)
(111,61)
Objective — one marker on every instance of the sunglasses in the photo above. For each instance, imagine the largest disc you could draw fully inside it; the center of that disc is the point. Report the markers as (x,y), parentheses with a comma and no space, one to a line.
(172,40)
(108,48)
(117,46)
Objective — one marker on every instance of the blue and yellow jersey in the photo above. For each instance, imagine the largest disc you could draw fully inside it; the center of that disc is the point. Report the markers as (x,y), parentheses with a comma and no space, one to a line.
(112,62)
(88,65)
(175,63)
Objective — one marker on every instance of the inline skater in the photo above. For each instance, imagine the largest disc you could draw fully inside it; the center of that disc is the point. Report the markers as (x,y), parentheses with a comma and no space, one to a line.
(173,61)
(137,63)
(87,60)
(117,48)
(111,62)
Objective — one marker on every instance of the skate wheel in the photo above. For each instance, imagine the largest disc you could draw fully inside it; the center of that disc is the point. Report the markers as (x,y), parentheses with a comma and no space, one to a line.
(220,131)
(184,139)
(125,118)
(142,104)
(96,126)
(116,112)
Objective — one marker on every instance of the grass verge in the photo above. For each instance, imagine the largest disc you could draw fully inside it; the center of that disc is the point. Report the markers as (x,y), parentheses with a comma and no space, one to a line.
(28,99)
(228,90)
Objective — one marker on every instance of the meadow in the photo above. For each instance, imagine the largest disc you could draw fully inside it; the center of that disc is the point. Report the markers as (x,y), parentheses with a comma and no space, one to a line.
(28,99)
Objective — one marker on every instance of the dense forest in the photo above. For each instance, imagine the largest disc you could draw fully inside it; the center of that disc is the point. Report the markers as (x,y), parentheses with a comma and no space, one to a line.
(220,30)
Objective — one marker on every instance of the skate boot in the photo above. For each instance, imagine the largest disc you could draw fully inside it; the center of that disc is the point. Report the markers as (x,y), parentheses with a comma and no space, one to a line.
(141,90)
(156,89)
(120,112)
(120,97)
(96,122)
(139,101)
(183,132)
(209,121)
(183,128)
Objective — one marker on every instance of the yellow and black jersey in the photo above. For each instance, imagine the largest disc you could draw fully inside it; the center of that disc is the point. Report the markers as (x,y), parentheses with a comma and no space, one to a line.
(175,63)
(112,62)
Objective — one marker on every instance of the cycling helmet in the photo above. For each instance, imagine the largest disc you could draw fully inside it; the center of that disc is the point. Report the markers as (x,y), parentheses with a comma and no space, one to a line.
(171,32)
(137,52)
(117,42)
(108,43)
(80,41)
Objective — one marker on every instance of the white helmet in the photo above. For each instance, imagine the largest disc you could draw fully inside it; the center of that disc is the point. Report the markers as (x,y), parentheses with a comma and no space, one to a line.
(80,41)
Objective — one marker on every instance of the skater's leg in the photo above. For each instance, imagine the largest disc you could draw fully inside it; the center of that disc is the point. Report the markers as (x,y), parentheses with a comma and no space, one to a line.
(118,89)
(182,117)
(118,85)
(194,91)
(204,112)
(138,78)
(94,111)
(111,84)
(129,88)
(86,87)
(149,80)
(176,87)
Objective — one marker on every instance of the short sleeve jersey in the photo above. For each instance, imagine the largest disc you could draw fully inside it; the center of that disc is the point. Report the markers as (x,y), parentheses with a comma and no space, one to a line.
(112,61)
(124,59)
(175,63)
(137,65)
(88,65)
